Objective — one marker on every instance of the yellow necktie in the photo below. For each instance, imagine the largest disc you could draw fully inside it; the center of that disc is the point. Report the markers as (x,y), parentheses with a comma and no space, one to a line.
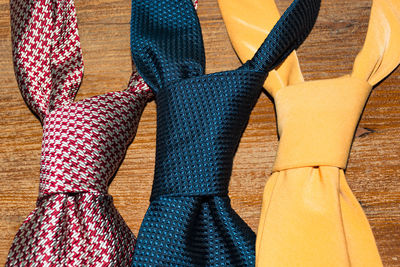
(309,215)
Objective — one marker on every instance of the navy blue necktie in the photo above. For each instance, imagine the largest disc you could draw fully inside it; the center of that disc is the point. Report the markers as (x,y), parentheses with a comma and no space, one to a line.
(200,120)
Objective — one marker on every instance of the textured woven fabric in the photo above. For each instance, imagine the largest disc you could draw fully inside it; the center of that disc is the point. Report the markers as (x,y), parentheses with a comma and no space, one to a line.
(309,215)
(200,120)
(75,222)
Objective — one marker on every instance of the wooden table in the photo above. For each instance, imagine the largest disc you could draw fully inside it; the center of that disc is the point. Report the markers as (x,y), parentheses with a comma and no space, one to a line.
(374,167)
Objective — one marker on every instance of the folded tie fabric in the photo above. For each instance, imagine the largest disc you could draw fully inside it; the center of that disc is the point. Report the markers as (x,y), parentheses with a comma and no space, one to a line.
(309,215)
(75,222)
(200,120)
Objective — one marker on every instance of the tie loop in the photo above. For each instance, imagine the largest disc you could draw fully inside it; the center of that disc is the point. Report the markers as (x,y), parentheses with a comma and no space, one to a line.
(175,25)
(46,52)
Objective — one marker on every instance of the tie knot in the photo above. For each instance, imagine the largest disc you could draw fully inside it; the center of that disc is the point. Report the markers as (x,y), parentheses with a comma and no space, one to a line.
(317,121)
(84,143)
(199,124)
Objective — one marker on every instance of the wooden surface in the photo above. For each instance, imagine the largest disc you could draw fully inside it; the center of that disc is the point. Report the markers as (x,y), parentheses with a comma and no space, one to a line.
(374,167)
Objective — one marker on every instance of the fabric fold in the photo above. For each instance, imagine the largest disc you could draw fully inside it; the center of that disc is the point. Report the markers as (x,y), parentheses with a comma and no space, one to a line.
(314,211)
(74,230)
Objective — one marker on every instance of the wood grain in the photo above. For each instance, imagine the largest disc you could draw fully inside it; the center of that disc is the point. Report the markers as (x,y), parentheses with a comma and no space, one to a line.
(374,166)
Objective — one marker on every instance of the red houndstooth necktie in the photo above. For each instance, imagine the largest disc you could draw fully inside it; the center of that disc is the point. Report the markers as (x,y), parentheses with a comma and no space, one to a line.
(75,222)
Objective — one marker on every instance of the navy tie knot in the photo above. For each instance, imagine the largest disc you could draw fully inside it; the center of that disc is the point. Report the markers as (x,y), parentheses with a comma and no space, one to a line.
(199,124)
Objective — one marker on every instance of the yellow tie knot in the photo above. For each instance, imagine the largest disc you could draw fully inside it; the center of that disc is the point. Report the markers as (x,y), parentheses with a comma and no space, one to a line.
(317,121)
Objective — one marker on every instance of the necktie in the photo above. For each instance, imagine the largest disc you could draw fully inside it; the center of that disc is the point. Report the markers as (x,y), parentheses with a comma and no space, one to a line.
(309,215)
(200,119)
(75,222)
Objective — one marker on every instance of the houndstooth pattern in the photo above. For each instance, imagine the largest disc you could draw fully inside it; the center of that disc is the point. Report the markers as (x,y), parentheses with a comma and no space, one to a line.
(73,230)
(75,222)
(84,143)
(47,53)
